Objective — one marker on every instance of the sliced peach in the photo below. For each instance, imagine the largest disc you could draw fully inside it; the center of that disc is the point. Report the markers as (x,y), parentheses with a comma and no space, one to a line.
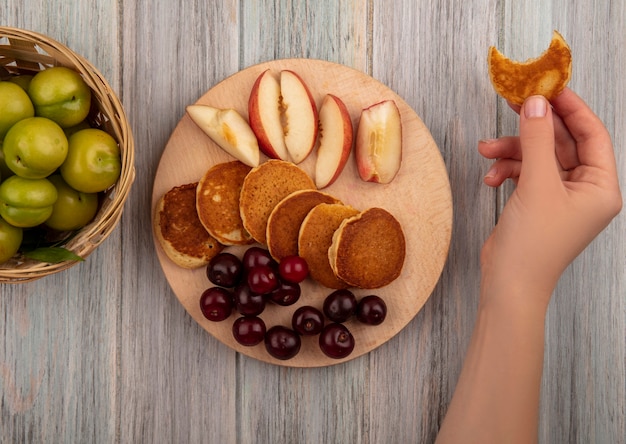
(300,123)
(228,129)
(335,142)
(379,142)
(264,114)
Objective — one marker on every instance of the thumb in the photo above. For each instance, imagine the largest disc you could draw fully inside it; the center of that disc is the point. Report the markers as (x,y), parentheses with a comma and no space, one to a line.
(539,163)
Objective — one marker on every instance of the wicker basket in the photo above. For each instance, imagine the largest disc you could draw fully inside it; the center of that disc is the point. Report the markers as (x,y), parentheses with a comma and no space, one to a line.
(28,52)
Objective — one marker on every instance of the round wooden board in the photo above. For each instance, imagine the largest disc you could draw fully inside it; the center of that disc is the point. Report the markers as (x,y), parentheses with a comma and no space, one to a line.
(419,197)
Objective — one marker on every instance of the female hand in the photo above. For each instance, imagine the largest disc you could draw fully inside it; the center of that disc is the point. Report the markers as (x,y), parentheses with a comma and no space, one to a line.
(567,192)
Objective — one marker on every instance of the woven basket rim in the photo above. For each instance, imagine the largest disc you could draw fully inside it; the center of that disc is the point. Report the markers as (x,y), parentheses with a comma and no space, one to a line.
(22,51)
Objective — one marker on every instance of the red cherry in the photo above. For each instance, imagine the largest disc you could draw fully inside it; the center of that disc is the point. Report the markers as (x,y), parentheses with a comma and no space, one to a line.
(293,269)
(216,304)
(262,279)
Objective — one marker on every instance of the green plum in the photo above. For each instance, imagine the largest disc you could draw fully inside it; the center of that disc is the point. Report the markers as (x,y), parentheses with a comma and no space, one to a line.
(15,105)
(93,161)
(60,94)
(26,202)
(10,240)
(35,147)
(72,209)
(4,169)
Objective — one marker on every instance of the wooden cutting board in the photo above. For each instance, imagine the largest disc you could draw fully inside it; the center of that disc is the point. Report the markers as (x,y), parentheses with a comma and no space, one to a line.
(419,197)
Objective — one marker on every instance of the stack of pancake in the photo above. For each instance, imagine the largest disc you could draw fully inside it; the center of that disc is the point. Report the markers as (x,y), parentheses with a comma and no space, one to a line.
(277,205)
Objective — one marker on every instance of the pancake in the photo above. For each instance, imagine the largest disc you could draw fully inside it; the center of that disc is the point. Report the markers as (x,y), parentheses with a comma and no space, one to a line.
(368,250)
(315,238)
(546,75)
(179,230)
(263,188)
(283,224)
(217,202)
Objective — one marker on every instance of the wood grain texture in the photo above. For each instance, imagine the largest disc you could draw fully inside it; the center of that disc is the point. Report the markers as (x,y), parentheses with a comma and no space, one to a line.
(582,390)
(175,383)
(58,360)
(423,52)
(104,352)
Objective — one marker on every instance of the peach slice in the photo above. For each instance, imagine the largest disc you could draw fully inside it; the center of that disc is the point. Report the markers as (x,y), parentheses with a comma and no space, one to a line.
(378,148)
(283,115)
(264,114)
(300,123)
(335,142)
(228,129)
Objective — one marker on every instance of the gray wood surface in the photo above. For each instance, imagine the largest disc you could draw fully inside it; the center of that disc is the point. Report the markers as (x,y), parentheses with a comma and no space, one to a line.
(104,352)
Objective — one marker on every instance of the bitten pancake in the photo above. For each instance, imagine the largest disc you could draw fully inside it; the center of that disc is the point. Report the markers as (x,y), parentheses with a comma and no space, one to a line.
(315,238)
(283,224)
(217,202)
(263,188)
(368,250)
(546,75)
(179,231)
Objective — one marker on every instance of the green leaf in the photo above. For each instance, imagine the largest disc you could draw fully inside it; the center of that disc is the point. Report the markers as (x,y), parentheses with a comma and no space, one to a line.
(53,255)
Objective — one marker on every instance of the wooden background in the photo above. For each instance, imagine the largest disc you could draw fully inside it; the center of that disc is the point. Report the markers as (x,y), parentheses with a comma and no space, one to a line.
(104,352)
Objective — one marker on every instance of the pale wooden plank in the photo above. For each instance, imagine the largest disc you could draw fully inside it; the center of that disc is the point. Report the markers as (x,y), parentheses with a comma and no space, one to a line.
(177,384)
(433,54)
(330,30)
(59,335)
(57,368)
(95,355)
(583,388)
(304,405)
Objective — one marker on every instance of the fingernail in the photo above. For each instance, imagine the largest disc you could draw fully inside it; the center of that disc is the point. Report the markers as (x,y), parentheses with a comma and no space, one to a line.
(535,106)
(491,173)
(487,141)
